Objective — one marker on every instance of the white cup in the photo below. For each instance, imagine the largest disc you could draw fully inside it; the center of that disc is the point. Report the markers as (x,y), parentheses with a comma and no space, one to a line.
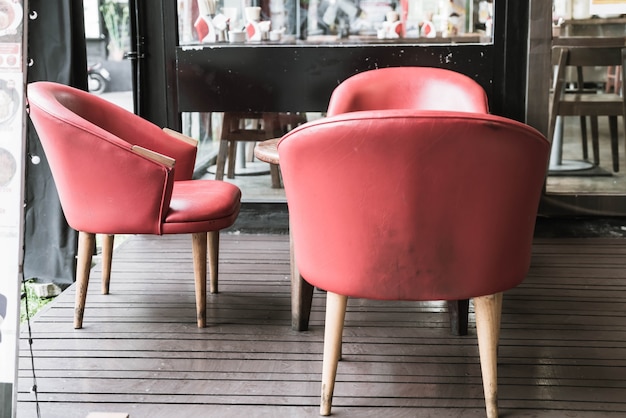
(275,35)
(252,13)
(236,36)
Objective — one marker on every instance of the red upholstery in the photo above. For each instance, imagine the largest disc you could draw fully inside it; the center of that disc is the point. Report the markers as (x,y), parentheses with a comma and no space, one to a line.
(105,188)
(407,205)
(422,88)
(197,205)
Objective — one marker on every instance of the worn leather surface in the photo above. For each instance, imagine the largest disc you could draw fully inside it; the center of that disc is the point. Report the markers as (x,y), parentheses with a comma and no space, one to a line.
(413,205)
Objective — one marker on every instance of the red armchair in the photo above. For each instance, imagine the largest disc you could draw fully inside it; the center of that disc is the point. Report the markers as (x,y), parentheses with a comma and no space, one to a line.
(413,205)
(115,172)
(417,88)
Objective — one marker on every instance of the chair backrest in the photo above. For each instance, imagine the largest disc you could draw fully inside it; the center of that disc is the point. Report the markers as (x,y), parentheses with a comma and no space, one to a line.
(564,56)
(422,88)
(103,186)
(409,205)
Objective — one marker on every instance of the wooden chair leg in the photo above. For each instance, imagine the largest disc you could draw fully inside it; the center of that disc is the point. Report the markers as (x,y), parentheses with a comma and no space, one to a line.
(199,244)
(86,242)
(583,134)
(458,311)
(301,301)
(214,251)
(488,311)
(624,115)
(107,260)
(335,316)
(232,155)
(221,160)
(614,142)
(595,141)
(301,295)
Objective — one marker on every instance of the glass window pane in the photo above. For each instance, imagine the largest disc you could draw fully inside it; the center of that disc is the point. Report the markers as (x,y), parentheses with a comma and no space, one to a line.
(335,21)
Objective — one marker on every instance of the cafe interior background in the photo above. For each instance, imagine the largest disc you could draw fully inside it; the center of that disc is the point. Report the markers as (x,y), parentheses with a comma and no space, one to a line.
(598,191)
(201,24)
(313,22)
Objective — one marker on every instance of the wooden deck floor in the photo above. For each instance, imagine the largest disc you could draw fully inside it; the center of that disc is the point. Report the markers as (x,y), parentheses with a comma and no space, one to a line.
(562,352)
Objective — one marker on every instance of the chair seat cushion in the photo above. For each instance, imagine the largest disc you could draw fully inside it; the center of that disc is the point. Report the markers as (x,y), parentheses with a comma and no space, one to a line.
(202,205)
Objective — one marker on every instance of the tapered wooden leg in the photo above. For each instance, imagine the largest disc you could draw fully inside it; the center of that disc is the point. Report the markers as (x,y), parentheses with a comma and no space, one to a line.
(301,295)
(107,259)
(488,311)
(214,251)
(335,315)
(199,243)
(86,242)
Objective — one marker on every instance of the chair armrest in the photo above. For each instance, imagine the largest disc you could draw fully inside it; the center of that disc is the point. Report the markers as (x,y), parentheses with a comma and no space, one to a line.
(155,156)
(183,149)
(186,139)
(166,143)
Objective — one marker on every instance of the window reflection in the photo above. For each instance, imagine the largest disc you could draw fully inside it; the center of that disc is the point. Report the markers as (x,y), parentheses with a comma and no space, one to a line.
(334,21)
(267,23)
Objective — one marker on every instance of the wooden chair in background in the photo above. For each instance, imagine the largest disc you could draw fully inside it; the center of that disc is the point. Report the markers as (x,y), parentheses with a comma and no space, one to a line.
(251,127)
(578,53)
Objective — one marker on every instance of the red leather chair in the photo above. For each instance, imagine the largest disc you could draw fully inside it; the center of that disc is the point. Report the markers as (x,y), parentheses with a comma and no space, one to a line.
(418,88)
(413,205)
(115,172)
(422,88)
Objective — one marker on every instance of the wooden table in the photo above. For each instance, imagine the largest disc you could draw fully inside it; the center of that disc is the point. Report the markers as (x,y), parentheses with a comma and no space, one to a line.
(301,290)
(267,151)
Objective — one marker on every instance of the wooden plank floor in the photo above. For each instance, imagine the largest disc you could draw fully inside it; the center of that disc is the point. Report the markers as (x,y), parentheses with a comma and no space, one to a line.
(562,352)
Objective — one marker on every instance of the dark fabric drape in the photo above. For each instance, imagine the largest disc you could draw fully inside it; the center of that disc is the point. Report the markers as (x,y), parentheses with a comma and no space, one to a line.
(57,52)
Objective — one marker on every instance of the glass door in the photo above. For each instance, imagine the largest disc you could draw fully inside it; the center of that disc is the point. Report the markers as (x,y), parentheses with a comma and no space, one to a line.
(107,35)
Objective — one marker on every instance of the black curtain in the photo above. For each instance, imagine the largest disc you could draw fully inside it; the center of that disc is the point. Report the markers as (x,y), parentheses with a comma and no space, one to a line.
(56,52)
